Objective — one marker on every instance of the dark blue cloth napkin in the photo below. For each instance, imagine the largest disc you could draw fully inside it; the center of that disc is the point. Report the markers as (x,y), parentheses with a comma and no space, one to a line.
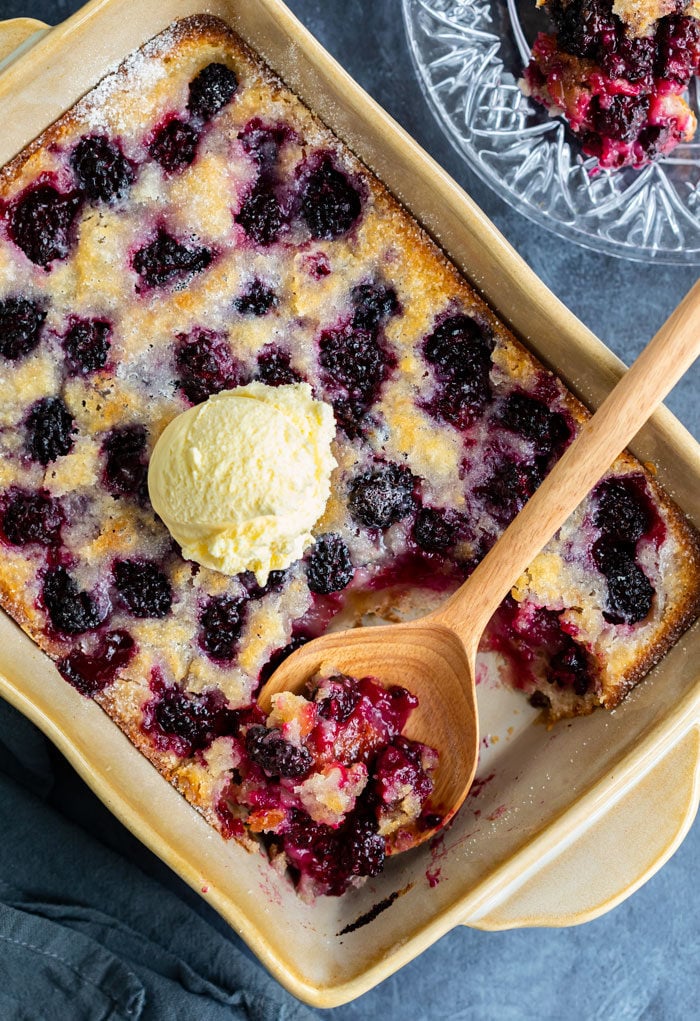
(86,935)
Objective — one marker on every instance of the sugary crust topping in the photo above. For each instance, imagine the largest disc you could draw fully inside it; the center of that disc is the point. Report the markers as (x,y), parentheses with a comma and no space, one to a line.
(274,254)
(640,15)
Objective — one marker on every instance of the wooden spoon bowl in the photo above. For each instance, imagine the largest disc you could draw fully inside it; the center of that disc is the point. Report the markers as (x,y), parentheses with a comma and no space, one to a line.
(435,657)
(427,659)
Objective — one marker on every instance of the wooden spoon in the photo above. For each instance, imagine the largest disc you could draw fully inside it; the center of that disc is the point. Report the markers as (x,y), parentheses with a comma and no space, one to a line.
(434,657)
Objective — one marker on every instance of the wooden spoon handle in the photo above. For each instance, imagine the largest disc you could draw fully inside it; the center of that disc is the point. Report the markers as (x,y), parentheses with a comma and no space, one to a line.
(657,369)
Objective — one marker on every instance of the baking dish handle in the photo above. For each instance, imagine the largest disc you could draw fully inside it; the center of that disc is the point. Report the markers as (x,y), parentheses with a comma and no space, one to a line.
(15,36)
(616,853)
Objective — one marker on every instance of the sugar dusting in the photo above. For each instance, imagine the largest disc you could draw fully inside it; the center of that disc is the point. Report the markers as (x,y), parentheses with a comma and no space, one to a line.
(145,66)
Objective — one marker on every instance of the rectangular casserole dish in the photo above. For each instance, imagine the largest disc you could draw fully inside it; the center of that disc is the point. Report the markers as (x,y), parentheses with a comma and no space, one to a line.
(538,842)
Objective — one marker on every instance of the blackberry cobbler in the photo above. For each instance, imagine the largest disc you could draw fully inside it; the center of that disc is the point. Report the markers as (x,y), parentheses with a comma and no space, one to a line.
(618,71)
(328,780)
(190,227)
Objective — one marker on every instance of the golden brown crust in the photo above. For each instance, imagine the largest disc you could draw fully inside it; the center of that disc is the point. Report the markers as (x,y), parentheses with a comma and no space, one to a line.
(640,16)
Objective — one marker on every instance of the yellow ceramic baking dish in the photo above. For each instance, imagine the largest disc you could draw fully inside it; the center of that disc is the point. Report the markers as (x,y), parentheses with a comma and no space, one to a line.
(557,829)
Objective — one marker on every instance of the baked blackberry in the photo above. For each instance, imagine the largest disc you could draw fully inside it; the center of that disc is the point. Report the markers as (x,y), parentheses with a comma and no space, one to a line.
(261,215)
(27,518)
(220,627)
(41,223)
(256,301)
(211,90)
(329,566)
(205,366)
(104,174)
(382,496)
(277,757)
(91,672)
(330,204)
(143,588)
(71,610)
(174,145)
(125,461)
(50,430)
(87,344)
(165,260)
(21,321)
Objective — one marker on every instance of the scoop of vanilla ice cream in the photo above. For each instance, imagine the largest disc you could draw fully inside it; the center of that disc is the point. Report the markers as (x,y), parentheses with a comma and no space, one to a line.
(240,480)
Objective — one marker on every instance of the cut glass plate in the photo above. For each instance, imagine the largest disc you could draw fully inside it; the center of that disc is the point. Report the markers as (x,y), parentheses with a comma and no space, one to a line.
(469,55)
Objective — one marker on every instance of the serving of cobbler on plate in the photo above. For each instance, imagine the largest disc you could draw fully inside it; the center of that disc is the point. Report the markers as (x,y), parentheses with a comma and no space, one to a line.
(618,71)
